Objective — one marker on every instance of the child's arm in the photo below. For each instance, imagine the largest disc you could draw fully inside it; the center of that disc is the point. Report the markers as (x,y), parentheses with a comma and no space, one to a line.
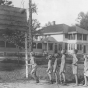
(75,62)
(47,69)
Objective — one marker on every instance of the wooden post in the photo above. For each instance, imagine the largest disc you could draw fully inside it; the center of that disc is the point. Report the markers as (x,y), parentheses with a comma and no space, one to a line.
(30,26)
(26,55)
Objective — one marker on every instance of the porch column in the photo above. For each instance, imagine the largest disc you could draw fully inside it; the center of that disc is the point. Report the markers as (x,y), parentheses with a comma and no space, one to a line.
(47,47)
(76,46)
(68,46)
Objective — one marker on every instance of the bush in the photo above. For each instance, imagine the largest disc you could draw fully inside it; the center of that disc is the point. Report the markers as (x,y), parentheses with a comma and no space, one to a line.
(13,61)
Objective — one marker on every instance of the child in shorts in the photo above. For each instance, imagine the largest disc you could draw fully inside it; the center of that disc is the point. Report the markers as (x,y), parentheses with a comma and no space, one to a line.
(63,67)
(56,68)
(75,66)
(33,67)
(50,68)
(86,70)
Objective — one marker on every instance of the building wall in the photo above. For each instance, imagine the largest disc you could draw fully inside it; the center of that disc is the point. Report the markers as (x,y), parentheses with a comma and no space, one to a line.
(73,43)
(58,37)
(79,44)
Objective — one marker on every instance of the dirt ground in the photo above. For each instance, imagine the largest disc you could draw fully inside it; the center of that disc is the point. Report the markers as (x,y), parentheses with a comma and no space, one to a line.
(32,84)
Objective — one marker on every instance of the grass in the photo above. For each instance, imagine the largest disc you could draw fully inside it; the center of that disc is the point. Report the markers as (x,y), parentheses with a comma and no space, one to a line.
(18,72)
(13,70)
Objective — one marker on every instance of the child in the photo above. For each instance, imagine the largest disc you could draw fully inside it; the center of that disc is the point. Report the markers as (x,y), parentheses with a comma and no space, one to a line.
(63,67)
(75,66)
(85,69)
(33,67)
(55,68)
(50,68)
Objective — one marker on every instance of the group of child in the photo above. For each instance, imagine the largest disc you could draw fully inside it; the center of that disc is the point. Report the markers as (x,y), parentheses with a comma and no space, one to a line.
(53,68)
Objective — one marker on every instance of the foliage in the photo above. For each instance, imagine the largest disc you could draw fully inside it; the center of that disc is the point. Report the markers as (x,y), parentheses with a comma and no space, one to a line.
(34,8)
(16,36)
(35,26)
(5,2)
(50,24)
(82,20)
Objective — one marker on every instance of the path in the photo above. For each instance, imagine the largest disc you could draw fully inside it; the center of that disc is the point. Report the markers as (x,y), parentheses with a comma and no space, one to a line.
(32,84)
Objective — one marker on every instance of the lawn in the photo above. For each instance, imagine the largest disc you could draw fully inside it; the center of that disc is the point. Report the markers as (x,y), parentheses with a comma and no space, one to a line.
(15,70)
(12,72)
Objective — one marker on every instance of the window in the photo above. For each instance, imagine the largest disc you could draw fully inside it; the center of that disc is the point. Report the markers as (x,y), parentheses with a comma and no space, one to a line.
(2,43)
(50,46)
(1,54)
(10,45)
(66,35)
(66,46)
(71,36)
(79,36)
(34,45)
(60,46)
(71,46)
(79,46)
(39,46)
(84,36)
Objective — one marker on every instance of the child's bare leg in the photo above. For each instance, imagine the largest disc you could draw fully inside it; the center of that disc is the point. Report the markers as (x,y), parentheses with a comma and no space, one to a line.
(64,78)
(60,77)
(50,76)
(76,78)
(35,77)
(85,78)
(56,77)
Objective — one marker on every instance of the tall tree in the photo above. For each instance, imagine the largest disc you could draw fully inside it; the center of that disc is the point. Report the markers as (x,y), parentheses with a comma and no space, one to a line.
(82,20)
(16,36)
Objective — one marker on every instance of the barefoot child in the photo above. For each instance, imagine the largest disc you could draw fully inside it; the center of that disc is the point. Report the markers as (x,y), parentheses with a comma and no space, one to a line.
(75,66)
(55,68)
(50,68)
(63,67)
(86,70)
(33,67)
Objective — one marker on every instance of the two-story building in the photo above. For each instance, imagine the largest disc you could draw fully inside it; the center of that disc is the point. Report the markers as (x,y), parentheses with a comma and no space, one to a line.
(67,37)
(77,38)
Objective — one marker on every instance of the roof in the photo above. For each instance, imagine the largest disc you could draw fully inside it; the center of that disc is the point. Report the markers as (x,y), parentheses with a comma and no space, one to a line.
(77,30)
(60,28)
(49,39)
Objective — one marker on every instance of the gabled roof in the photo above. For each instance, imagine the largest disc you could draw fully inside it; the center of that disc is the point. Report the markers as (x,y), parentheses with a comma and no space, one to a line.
(77,30)
(49,39)
(60,28)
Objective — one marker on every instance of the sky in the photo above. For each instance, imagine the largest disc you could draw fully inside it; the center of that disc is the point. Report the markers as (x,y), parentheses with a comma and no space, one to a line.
(60,11)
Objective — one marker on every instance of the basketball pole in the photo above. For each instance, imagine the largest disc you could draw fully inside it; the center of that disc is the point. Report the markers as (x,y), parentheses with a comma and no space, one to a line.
(26,55)
(30,38)
(30,26)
